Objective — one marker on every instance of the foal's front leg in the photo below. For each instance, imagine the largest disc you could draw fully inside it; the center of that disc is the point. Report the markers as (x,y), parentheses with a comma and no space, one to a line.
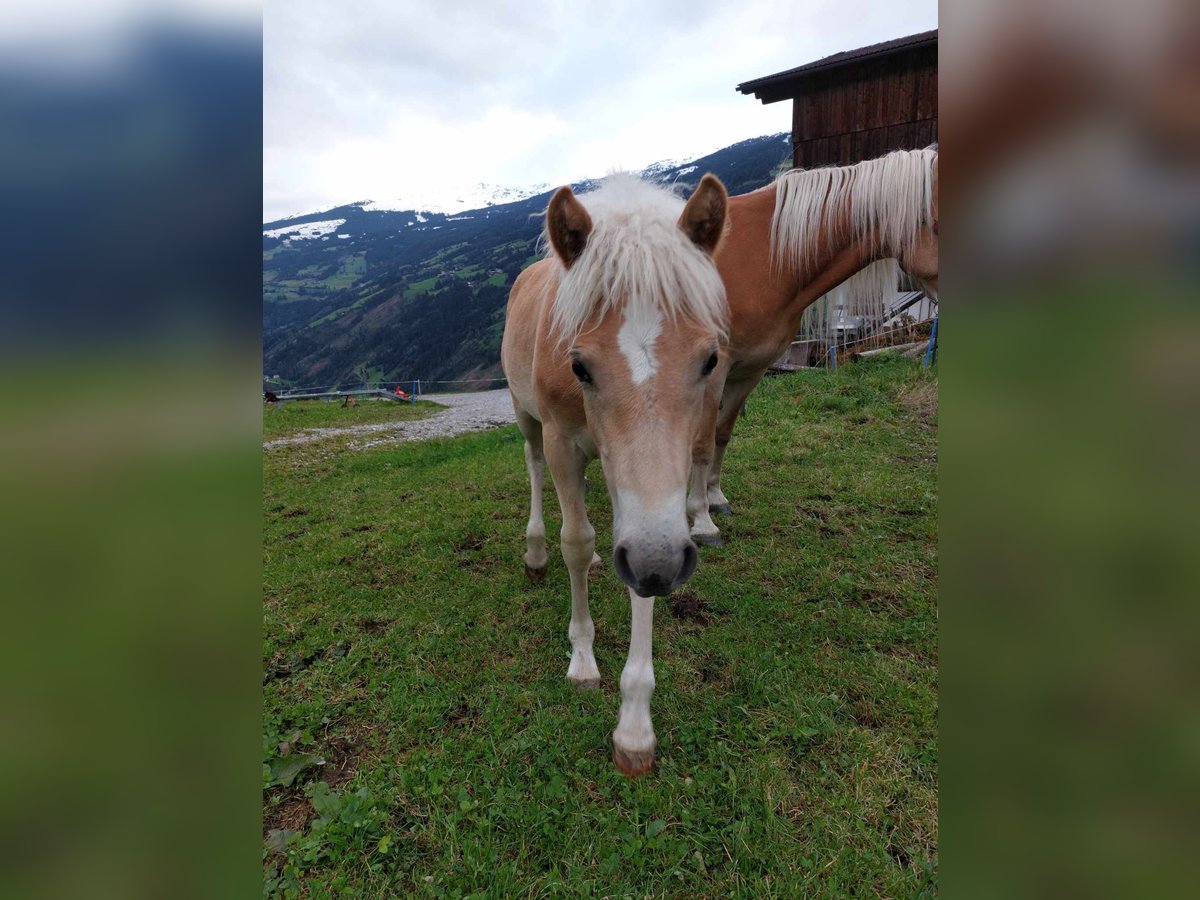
(567,463)
(535,532)
(634,741)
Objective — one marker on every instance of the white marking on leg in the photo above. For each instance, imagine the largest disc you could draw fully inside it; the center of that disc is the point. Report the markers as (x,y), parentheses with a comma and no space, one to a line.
(637,337)
(577,553)
(635,731)
(578,539)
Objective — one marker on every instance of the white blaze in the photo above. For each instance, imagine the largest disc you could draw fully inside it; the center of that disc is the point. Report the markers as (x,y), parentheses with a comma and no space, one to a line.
(637,337)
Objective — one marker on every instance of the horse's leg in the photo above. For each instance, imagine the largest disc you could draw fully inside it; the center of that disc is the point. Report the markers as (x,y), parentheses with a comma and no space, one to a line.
(535,462)
(718,503)
(731,405)
(704,530)
(634,741)
(567,463)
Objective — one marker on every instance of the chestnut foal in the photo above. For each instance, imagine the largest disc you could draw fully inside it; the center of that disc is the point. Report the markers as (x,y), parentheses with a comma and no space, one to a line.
(611,350)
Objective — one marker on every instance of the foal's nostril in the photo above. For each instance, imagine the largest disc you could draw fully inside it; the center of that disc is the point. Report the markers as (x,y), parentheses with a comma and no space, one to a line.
(656,575)
(690,558)
(621,565)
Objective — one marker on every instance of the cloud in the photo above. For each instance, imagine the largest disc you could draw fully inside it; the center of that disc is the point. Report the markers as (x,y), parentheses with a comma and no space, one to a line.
(376,99)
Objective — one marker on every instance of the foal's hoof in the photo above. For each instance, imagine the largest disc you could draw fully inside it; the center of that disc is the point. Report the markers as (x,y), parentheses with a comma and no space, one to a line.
(720,509)
(537,576)
(585,684)
(708,540)
(633,763)
(596,565)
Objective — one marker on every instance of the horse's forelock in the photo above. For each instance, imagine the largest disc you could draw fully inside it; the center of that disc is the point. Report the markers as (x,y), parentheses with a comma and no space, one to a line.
(637,256)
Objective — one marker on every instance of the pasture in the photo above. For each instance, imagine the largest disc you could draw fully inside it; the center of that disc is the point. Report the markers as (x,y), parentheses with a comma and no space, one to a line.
(796,699)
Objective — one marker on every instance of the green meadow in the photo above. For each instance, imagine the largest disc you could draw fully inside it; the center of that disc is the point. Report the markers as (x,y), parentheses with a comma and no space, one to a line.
(420,737)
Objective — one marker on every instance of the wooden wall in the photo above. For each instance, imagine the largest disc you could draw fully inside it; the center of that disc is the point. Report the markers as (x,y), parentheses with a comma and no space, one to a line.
(860,112)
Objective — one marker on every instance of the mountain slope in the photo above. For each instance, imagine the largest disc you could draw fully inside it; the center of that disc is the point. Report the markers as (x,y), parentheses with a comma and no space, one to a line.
(358,293)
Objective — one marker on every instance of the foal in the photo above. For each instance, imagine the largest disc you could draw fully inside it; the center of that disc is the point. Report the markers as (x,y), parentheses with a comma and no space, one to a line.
(789,244)
(611,350)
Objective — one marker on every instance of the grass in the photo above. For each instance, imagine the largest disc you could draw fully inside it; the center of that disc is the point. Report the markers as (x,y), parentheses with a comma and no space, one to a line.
(350,270)
(420,287)
(282,419)
(796,700)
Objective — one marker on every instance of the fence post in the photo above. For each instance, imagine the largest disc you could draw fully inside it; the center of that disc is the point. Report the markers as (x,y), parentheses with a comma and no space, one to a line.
(931,350)
(413,396)
(832,355)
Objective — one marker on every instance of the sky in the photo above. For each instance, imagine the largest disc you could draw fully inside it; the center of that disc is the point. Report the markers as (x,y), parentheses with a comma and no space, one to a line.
(379,99)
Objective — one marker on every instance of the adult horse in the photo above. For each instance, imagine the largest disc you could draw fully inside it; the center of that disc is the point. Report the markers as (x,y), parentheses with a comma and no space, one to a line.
(611,350)
(792,242)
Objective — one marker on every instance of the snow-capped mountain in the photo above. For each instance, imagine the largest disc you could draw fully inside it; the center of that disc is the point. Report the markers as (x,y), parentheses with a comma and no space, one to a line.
(477,196)
(415,287)
(458,202)
(300,231)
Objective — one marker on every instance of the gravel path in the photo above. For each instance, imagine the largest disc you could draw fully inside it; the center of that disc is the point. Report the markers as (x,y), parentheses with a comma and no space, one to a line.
(466,412)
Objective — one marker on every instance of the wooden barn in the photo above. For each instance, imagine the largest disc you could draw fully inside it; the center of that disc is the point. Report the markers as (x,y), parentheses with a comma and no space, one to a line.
(859,104)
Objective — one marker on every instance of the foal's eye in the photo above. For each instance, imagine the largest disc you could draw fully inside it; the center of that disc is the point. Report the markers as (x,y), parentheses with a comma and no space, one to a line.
(581,372)
(710,365)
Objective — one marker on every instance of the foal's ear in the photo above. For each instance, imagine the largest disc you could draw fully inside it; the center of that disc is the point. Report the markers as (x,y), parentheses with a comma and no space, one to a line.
(703,218)
(568,225)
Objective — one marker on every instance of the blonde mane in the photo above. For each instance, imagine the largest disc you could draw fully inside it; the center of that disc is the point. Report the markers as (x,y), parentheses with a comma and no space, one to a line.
(638,257)
(884,202)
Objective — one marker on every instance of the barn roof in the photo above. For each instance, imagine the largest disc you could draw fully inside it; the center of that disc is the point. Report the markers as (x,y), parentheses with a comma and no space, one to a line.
(770,88)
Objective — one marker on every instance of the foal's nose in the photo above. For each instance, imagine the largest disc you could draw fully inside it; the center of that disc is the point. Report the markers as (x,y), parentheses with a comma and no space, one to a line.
(654,571)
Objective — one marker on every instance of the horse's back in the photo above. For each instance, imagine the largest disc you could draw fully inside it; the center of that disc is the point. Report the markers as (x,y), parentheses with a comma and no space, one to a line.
(529,295)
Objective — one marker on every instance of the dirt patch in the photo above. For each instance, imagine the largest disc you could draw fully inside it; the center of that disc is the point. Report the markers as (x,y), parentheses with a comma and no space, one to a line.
(341,761)
(900,855)
(821,517)
(292,812)
(289,809)
(298,511)
(716,672)
(922,399)
(689,607)
(932,459)
(286,666)
(866,715)
(916,656)
(357,529)
(481,564)
(472,540)
(869,598)
(373,626)
(462,716)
